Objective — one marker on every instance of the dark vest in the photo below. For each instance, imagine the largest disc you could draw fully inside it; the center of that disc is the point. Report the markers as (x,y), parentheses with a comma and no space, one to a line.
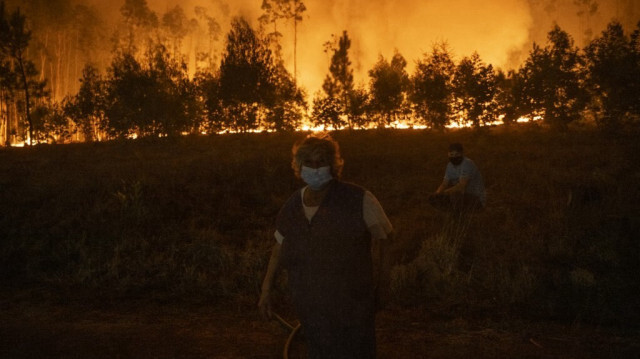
(328,261)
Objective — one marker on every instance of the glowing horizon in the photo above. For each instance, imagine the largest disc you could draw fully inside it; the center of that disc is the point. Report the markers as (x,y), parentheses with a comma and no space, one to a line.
(501,31)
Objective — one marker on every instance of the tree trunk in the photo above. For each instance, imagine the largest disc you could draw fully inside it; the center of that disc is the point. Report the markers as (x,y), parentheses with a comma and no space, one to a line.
(4,121)
(295,44)
(43,57)
(27,108)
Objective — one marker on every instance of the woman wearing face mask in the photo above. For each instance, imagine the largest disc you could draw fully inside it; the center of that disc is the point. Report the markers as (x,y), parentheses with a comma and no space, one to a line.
(462,188)
(330,237)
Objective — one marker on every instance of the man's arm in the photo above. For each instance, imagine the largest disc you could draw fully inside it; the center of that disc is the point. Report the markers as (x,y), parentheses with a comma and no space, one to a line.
(443,186)
(460,187)
(267,284)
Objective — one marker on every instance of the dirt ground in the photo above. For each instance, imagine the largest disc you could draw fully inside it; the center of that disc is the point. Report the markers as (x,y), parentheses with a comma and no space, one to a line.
(141,330)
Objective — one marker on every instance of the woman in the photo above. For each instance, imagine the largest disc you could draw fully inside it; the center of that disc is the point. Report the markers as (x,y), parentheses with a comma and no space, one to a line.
(324,239)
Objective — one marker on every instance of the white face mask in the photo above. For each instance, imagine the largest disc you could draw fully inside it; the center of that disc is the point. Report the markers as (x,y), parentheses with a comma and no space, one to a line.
(316,178)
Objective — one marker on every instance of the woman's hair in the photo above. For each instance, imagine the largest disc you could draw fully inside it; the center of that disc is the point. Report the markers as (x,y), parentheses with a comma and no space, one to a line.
(321,143)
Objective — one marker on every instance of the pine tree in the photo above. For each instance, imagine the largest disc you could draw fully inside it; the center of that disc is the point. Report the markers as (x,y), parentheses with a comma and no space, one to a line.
(337,85)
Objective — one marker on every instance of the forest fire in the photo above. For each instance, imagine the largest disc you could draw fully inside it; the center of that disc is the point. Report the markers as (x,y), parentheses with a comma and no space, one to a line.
(163,68)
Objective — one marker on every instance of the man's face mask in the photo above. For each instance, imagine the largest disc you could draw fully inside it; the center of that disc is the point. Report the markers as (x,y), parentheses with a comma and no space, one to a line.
(455,158)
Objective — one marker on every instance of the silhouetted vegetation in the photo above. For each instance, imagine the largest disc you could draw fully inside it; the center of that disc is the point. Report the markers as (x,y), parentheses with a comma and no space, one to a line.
(147,89)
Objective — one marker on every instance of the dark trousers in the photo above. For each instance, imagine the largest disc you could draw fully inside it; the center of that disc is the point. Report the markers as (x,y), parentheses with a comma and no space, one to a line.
(341,342)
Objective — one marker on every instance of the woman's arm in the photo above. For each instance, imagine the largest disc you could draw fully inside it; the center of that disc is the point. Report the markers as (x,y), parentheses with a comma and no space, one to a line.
(267,284)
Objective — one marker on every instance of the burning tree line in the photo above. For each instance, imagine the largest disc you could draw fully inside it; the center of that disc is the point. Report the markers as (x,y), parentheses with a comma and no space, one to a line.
(150,93)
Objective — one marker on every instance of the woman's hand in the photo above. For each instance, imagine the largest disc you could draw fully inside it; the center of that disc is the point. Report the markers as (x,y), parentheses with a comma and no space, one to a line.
(264,305)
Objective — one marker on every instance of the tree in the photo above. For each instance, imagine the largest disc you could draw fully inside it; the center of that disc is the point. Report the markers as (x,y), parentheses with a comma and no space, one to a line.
(613,77)
(14,41)
(474,86)
(87,107)
(247,76)
(509,96)
(151,99)
(287,110)
(553,81)
(8,91)
(388,86)
(176,26)
(432,87)
(359,100)
(327,111)
(294,11)
(213,31)
(207,87)
(138,18)
(338,84)
(274,11)
(127,88)
(52,124)
(171,106)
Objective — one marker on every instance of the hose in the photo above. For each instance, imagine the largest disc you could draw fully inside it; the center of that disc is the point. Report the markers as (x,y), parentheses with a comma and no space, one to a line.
(293,331)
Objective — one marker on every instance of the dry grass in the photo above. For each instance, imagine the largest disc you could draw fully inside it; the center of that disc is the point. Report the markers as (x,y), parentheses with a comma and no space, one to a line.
(192,219)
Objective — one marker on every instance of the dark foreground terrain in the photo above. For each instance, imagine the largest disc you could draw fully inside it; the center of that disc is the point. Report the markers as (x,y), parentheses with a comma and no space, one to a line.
(143,330)
(157,248)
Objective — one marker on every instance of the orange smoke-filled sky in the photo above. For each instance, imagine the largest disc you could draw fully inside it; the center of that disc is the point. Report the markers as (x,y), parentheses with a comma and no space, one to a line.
(501,31)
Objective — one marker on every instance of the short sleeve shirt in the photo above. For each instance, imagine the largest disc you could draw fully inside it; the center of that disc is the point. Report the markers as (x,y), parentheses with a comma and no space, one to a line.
(372,212)
(467,169)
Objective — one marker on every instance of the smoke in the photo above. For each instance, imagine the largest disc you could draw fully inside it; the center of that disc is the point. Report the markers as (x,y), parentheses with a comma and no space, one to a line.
(494,29)
(380,27)
(501,31)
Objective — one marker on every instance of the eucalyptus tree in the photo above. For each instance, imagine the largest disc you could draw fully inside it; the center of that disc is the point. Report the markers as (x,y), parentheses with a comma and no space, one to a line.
(176,26)
(8,92)
(294,11)
(66,34)
(14,42)
(213,32)
(274,11)
(138,19)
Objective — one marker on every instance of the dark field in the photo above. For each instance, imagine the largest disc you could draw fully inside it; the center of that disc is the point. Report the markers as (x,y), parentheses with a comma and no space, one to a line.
(156,249)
